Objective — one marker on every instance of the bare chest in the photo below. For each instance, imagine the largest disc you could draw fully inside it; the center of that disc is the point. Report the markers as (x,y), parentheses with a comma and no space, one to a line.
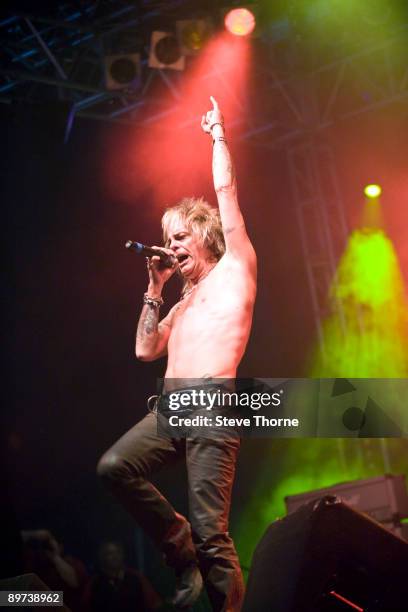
(221,301)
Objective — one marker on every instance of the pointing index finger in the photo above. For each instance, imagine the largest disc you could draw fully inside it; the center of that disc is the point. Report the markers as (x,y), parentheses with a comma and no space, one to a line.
(214,103)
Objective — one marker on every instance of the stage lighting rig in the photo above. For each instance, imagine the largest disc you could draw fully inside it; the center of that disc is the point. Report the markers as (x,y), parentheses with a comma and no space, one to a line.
(165,51)
(122,71)
(192,34)
(372,191)
(240,21)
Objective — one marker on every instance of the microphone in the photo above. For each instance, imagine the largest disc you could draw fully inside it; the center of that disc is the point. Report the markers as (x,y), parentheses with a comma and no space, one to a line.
(167,261)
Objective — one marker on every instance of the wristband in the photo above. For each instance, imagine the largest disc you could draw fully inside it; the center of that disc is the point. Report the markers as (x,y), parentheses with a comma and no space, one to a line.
(155,302)
(216,123)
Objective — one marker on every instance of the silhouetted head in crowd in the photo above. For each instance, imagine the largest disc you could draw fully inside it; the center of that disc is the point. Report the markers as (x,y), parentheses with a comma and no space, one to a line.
(111,558)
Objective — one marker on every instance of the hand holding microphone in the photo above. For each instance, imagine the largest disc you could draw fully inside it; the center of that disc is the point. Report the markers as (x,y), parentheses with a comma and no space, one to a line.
(161,262)
(167,257)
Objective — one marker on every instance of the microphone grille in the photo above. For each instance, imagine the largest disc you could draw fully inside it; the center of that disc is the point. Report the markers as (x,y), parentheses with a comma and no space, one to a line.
(128,244)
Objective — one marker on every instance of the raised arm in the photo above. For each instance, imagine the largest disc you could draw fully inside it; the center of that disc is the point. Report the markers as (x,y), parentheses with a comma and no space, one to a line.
(151,335)
(225,184)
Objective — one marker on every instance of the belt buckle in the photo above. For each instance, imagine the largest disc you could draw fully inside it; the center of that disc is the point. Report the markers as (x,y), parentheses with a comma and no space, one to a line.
(152,403)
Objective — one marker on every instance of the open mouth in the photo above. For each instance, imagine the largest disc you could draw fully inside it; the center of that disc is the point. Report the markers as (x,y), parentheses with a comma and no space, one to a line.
(182,258)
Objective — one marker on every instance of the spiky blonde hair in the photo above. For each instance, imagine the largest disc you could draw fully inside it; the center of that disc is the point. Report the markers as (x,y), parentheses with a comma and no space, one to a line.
(202,220)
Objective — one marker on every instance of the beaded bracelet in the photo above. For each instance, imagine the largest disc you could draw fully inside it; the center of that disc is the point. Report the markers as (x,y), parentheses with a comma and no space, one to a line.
(155,302)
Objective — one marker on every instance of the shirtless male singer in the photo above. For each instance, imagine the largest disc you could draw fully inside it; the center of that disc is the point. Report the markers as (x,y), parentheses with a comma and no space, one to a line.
(204,336)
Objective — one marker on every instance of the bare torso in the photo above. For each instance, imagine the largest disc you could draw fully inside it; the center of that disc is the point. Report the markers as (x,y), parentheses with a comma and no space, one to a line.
(211,325)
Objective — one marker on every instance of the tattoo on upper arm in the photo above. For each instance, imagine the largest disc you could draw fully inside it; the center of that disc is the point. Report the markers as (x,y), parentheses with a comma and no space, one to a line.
(231,170)
(222,155)
(229,230)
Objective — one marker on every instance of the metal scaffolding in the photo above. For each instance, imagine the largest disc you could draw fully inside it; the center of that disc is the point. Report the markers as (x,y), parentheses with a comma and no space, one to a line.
(321,220)
(62,57)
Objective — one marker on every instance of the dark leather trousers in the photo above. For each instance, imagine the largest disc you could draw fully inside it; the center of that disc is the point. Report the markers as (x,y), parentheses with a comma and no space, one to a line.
(126,467)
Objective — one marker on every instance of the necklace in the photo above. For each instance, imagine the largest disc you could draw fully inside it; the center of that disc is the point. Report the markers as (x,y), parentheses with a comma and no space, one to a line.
(186,293)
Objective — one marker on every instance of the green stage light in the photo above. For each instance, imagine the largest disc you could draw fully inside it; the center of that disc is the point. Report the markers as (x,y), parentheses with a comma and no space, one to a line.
(372,341)
(372,191)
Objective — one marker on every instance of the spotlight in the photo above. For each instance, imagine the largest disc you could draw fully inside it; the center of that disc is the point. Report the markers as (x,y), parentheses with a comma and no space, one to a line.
(165,51)
(122,71)
(372,191)
(240,22)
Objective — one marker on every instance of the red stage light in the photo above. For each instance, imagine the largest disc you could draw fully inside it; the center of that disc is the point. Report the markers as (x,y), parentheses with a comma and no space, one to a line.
(174,148)
(240,22)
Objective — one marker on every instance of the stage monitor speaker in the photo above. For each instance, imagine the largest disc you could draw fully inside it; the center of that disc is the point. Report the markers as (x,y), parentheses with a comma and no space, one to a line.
(29,582)
(326,557)
(384,498)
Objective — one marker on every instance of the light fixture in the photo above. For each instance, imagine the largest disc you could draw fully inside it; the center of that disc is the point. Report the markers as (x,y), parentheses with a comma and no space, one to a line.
(240,21)
(165,51)
(192,34)
(122,71)
(372,191)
